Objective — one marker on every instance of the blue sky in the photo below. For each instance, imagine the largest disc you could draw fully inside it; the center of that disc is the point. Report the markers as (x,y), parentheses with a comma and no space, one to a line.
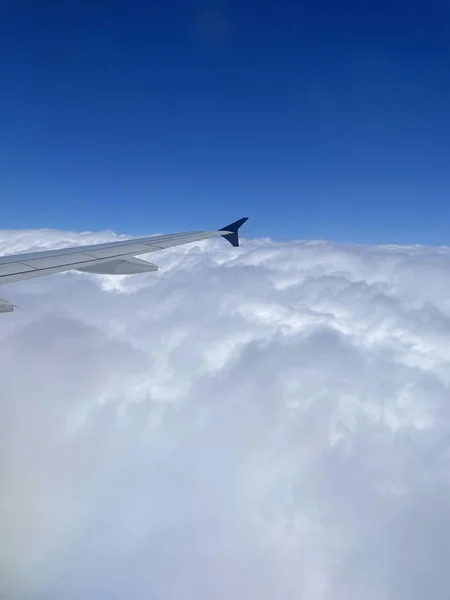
(315,119)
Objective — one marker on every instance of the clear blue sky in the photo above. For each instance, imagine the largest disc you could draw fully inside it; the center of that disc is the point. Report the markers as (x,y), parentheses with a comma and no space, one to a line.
(317,119)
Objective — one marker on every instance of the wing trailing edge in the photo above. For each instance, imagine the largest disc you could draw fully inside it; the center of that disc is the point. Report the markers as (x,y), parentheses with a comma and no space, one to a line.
(123,266)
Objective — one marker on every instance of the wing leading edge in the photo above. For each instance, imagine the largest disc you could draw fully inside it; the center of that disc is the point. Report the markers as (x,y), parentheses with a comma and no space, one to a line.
(111,258)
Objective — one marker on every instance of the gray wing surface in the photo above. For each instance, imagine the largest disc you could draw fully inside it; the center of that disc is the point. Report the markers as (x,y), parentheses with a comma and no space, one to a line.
(115,258)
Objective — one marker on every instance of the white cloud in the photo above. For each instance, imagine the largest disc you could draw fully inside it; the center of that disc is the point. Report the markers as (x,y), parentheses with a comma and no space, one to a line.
(269,422)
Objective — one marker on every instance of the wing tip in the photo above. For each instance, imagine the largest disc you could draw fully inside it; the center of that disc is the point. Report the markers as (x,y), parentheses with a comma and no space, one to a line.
(232,230)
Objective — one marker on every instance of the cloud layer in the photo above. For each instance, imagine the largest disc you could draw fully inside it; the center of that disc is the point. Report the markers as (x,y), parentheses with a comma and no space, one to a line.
(265,422)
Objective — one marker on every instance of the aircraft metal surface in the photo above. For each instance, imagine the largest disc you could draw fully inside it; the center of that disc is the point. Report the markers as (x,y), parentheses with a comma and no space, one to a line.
(112,258)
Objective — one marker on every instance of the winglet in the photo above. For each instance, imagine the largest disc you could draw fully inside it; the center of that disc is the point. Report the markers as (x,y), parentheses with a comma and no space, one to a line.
(232,230)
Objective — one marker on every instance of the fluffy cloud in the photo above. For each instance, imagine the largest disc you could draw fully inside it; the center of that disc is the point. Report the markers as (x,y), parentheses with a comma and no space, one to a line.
(265,422)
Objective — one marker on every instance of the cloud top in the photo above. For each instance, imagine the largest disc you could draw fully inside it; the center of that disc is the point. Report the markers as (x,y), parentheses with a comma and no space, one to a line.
(267,422)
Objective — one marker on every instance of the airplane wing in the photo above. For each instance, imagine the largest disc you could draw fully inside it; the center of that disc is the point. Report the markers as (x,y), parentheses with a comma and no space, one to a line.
(112,258)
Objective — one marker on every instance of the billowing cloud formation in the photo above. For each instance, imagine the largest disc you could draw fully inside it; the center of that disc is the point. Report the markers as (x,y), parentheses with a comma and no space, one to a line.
(265,422)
